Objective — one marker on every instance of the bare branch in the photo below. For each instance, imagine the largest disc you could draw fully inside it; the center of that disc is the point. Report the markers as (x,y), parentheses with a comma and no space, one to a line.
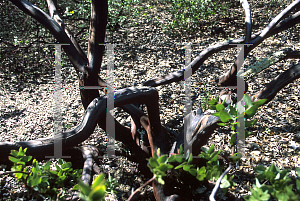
(98,21)
(266,62)
(248,23)
(277,84)
(52,5)
(137,191)
(214,191)
(227,79)
(95,111)
(57,31)
(88,152)
(274,22)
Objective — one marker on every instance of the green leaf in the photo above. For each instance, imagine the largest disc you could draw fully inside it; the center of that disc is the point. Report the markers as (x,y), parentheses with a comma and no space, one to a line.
(180,165)
(13,159)
(98,180)
(164,167)
(222,124)
(250,123)
(213,101)
(153,162)
(20,152)
(19,175)
(204,149)
(202,170)
(160,180)
(44,179)
(247,133)
(236,157)
(217,114)
(159,172)
(247,100)
(281,196)
(233,139)
(181,149)
(75,187)
(250,112)
(225,183)
(232,110)
(155,156)
(60,161)
(66,165)
(257,183)
(187,167)
(179,158)
(213,107)
(225,117)
(85,189)
(201,173)
(172,158)
(26,158)
(47,166)
(298,184)
(298,171)
(190,160)
(97,193)
(234,126)
(163,159)
(260,102)
(14,153)
(193,172)
(211,149)
(260,169)
(220,107)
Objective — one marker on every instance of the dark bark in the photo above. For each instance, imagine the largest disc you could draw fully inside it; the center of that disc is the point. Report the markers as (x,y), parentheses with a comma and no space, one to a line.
(270,91)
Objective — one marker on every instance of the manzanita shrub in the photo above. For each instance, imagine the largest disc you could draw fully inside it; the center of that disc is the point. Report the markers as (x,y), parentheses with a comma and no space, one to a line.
(159,165)
(275,183)
(44,182)
(229,115)
(40,180)
(95,192)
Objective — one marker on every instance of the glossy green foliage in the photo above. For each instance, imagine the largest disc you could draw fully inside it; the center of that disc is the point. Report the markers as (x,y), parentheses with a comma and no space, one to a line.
(41,180)
(159,165)
(95,192)
(229,116)
(275,183)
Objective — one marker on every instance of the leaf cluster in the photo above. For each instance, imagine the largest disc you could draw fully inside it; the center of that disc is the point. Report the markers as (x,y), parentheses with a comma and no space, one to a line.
(41,179)
(229,115)
(159,165)
(279,185)
(95,192)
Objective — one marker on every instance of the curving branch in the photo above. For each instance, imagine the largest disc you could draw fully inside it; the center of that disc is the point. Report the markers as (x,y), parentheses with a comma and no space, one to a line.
(268,61)
(95,112)
(200,130)
(136,193)
(229,78)
(52,5)
(214,191)
(196,63)
(270,91)
(89,153)
(56,30)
